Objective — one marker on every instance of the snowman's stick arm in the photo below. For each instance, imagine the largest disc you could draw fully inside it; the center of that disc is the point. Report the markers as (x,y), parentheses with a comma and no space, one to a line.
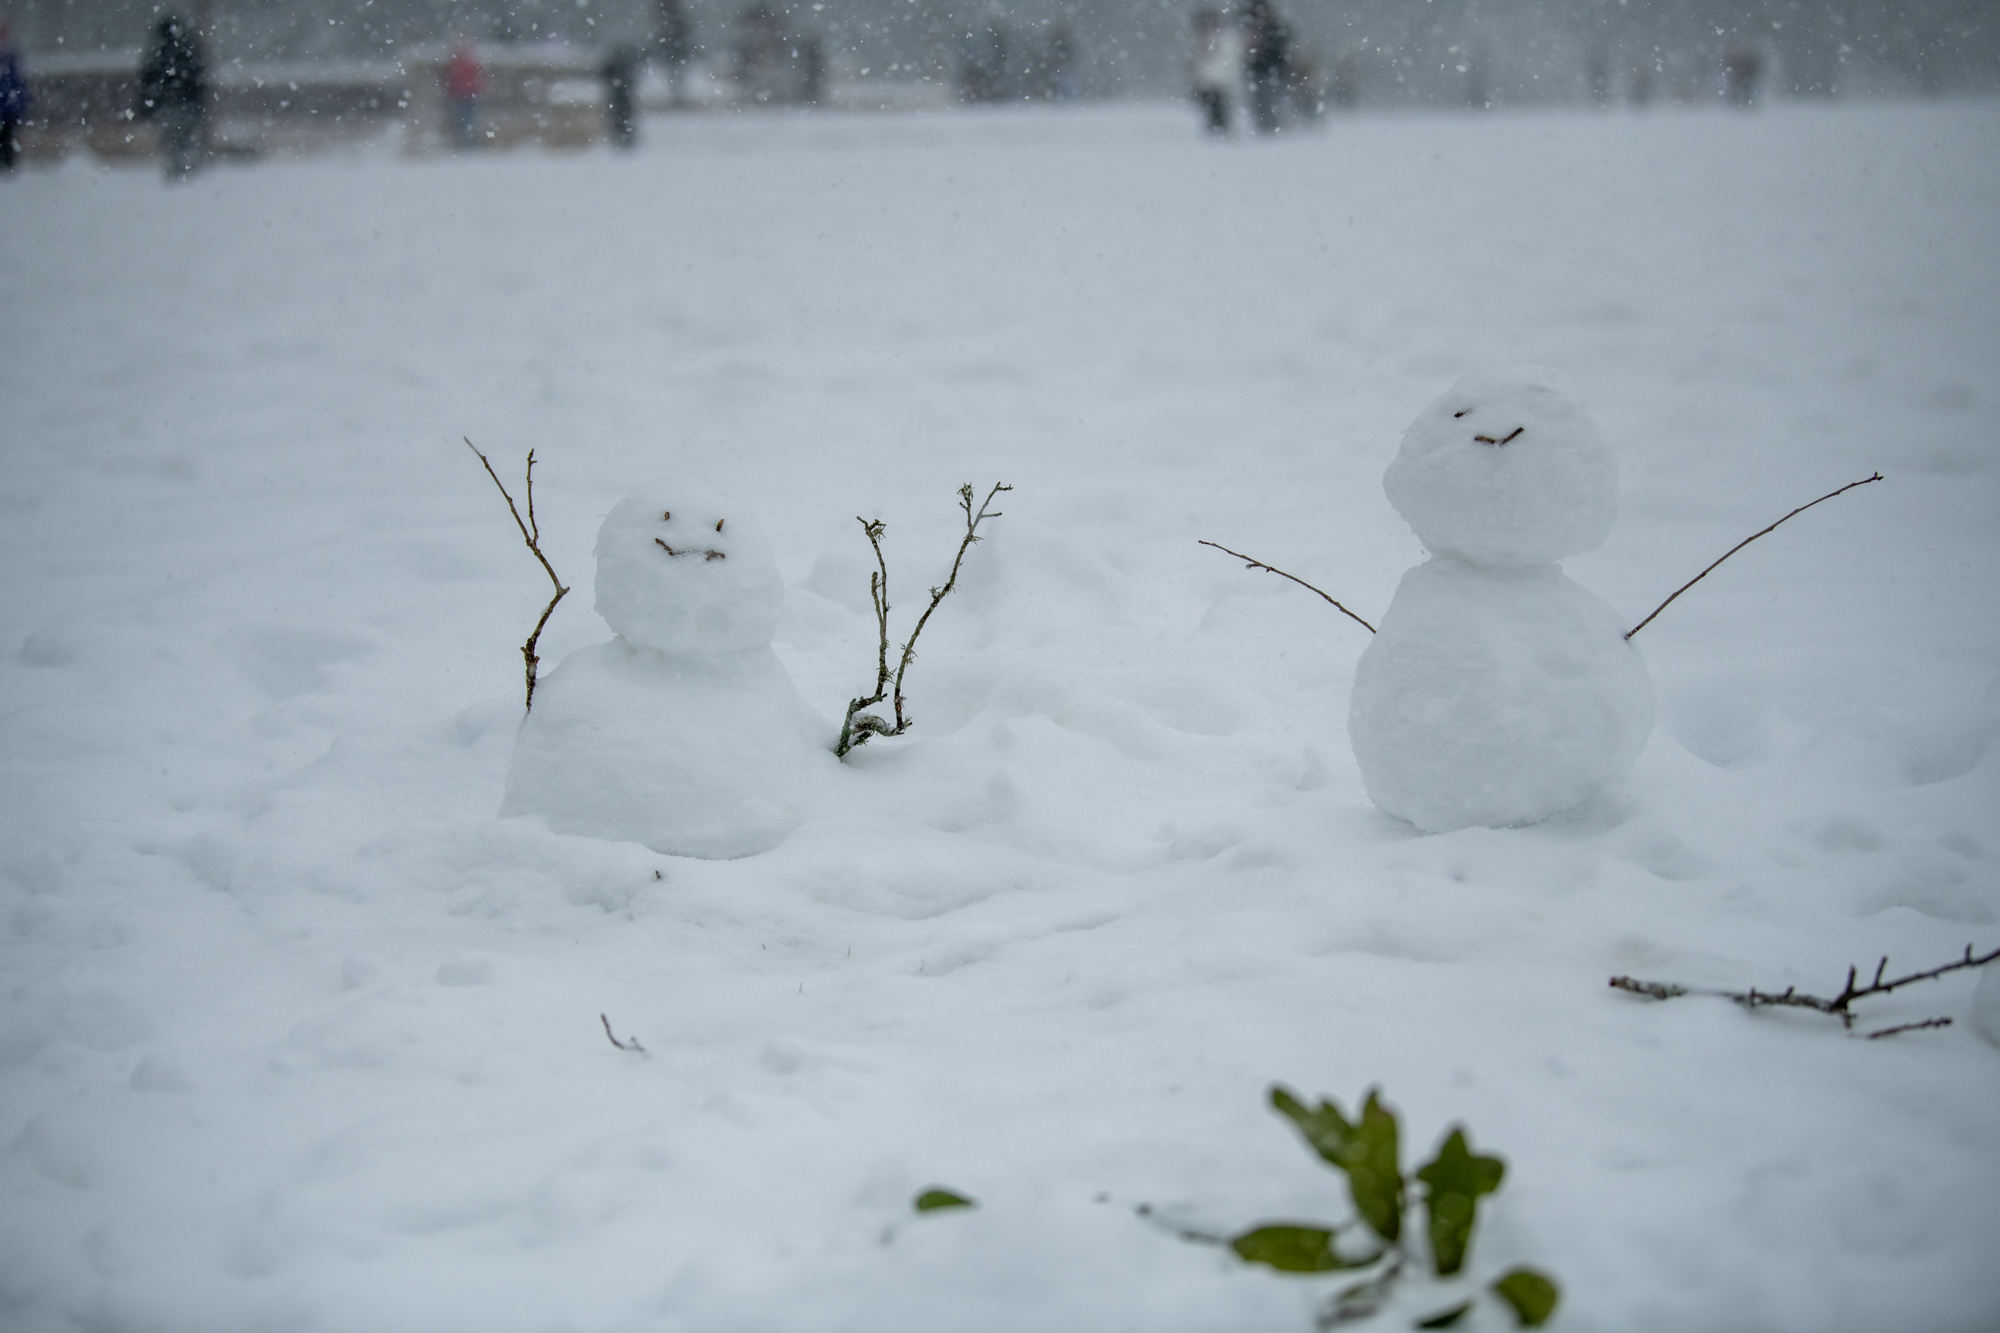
(531,533)
(1740,545)
(972,522)
(878,594)
(1273,569)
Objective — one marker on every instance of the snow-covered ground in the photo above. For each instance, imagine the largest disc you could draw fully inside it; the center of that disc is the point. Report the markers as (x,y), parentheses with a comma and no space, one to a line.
(298,1035)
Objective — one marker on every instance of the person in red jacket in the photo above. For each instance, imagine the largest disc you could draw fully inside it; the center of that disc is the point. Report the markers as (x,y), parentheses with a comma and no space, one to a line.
(463,82)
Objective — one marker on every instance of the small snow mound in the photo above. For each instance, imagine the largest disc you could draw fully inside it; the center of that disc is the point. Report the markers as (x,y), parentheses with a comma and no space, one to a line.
(684,568)
(1506,469)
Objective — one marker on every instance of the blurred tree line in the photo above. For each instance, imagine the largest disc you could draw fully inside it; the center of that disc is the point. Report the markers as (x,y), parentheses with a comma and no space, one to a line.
(1475,52)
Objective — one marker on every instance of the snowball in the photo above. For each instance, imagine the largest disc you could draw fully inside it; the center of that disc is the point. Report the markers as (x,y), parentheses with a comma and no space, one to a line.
(1495,697)
(684,568)
(1506,469)
(1986,1003)
(692,756)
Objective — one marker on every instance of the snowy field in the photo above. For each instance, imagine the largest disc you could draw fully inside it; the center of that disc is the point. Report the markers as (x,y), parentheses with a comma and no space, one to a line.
(298,1035)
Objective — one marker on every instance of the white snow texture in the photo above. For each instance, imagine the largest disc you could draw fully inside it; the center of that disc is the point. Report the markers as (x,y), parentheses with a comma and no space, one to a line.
(297,1037)
(1498,692)
(684,733)
(1471,486)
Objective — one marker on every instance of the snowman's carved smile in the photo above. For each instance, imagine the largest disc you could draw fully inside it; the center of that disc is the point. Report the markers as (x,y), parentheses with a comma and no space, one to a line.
(706,555)
(667,516)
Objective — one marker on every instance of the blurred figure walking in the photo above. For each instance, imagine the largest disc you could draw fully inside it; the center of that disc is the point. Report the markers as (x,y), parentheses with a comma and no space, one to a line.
(464,81)
(1213,67)
(1740,66)
(14,100)
(173,90)
(1267,60)
(621,83)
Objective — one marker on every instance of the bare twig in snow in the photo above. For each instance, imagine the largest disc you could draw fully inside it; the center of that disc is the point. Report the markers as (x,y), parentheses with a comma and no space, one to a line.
(972,522)
(1911,1027)
(1273,569)
(531,533)
(1740,545)
(1840,1006)
(858,726)
(630,1044)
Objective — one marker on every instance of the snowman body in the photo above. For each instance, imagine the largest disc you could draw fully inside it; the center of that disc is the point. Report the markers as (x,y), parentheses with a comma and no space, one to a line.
(1498,691)
(684,732)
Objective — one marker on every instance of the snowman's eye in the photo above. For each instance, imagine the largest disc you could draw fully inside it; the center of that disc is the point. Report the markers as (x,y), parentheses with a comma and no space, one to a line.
(666,516)
(1461,412)
(718,525)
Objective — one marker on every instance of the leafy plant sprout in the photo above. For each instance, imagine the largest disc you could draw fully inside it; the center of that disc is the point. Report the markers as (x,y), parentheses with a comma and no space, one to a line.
(1367,1151)
(857,726)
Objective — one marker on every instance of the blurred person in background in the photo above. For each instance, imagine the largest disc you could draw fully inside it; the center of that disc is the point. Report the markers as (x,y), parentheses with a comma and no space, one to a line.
(173,90)
(1267,58)
(14,100)
(1213,66)
(464,81)
(621,82)
(1740,66)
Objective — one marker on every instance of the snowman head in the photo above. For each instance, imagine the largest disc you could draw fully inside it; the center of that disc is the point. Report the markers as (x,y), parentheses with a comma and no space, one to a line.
(1505,470)
(684,569)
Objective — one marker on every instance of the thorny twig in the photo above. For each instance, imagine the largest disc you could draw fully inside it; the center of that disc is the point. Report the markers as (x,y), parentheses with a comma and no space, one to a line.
(1840,1006)
(1739,546)
(1911,1027)
(857,726)
(531,533)
(629,1044)
(1273,569)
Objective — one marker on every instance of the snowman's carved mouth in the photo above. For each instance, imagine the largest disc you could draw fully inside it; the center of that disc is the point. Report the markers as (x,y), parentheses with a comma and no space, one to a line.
(1505,439)
(705,555)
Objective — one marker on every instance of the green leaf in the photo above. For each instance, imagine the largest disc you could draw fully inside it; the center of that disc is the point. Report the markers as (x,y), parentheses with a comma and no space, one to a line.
(1447,1318)
(1365,1149)
(934,1199)
(1453,1182)
(1294,1249)
(1533,1295)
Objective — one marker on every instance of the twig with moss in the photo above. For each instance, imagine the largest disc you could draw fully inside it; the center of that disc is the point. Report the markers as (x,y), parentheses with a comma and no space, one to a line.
(531,533)
(1840,1006)
(1273,569)
(857,726)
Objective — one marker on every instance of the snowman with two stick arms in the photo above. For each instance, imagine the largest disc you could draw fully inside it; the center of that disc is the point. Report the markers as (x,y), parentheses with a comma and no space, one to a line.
(1497,691)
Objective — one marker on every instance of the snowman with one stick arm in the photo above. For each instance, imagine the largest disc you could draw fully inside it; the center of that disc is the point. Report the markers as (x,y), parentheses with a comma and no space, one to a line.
(1497,690)
(684,732)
